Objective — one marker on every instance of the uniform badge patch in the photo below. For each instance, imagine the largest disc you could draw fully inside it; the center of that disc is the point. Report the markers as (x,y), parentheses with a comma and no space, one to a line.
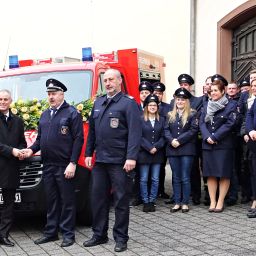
(114,122)
(64,130)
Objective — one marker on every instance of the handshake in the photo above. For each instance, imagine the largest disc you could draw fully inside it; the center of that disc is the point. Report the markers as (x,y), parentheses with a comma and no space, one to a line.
(22,153)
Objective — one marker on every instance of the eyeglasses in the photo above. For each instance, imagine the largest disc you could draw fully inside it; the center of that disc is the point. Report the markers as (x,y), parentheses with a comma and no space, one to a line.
(152,105)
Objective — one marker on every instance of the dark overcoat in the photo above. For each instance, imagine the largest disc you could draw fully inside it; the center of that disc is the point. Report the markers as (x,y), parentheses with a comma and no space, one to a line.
(11,136)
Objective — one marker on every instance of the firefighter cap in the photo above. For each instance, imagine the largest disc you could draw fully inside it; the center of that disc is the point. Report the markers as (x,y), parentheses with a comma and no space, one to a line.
(182,93)
(54,85)
(245,81)
(158,86)
(185,78)
(145,85)
(151,98)
(220,78)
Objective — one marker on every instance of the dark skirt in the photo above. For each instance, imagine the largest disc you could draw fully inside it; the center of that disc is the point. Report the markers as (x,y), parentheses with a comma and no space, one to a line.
(218,163)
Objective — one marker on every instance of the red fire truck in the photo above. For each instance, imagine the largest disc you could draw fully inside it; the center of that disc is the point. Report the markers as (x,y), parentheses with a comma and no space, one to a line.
(84,80)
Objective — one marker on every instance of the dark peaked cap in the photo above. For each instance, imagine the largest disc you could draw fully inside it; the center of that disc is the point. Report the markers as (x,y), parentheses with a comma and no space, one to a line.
(54,85)
(145,86)
(158,86)
(182,93)
(219,77)
(185,78)
(245,81)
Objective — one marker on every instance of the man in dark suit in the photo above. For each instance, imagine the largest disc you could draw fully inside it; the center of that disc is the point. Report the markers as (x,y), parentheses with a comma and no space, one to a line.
(11,141)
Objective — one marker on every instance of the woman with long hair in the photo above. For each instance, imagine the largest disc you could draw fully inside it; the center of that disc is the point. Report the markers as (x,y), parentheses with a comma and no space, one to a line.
(151,154)
(181,132)
(217,122)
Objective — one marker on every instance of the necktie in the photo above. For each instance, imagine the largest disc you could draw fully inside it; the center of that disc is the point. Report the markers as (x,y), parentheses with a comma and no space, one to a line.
(6,118)
(53,111)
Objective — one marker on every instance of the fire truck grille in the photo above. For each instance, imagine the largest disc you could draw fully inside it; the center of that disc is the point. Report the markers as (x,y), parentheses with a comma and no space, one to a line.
(30,175)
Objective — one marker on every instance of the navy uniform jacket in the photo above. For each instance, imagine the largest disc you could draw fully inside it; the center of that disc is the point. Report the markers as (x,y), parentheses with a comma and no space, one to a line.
(114,130)
(220,130)
(251,118)
(186,136)
(152,137)
(60,139)
(164,108)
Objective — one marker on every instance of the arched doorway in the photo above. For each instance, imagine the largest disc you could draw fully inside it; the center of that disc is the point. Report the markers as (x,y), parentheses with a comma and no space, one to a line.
(236,46)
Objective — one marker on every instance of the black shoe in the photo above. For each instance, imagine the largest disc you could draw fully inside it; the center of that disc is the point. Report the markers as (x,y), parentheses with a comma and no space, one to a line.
(120,247)
(163,195)
(251,214)
(67,242)
(146,207)
(174,209)
(230,202)
(152,207)
(94,241)
(184,208)
(136,202)
(45,239)
(196,201)
(245,200)
(5,241)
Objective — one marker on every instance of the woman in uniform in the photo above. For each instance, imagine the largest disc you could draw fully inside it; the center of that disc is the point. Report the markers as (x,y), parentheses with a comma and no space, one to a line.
(151,153)
(181,133)
(217,121)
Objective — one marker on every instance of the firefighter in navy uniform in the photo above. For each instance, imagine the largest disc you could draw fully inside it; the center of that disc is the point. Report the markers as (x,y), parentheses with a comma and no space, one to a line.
(186,81)
(60,139)
(115,135)
(164,108)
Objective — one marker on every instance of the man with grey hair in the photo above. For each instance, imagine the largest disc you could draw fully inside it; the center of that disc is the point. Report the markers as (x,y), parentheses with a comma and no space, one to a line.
(114,134)
(12,139)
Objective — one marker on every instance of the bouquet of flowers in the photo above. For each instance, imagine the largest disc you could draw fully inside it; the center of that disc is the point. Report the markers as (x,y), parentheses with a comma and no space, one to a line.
(31,110)
(85,108)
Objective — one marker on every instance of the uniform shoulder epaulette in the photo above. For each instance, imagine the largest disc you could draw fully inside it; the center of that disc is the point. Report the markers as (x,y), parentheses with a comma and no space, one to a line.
(129,96)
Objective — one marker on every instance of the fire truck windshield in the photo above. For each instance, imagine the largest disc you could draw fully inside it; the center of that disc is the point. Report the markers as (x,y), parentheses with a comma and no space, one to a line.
(29,86)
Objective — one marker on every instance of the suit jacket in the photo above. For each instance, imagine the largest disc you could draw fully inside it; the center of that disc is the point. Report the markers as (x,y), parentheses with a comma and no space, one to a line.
(11,136)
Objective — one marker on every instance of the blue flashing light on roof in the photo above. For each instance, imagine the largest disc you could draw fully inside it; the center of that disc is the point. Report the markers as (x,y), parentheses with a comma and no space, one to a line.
(87,54)
(13,61)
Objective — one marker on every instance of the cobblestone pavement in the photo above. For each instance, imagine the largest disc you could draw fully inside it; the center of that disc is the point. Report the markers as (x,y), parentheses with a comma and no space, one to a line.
(197,232)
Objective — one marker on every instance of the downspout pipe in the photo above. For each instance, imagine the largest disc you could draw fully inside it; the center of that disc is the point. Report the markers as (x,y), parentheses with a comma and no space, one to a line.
(193,39)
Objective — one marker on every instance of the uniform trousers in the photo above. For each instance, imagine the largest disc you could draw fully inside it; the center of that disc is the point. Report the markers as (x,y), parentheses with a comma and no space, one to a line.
(61,204)
(7,211)
(106,178)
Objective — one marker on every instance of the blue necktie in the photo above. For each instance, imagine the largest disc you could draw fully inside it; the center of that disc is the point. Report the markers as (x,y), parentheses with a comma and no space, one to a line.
(53,111)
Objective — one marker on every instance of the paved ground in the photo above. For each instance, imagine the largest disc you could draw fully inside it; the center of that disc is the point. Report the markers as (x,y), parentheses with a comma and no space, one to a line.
(160,233)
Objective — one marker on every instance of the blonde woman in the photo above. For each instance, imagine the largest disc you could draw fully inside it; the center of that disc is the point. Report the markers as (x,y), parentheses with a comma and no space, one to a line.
(181,132)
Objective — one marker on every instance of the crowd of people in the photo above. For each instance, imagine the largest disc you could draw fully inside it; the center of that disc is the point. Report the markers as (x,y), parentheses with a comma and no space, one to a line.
(210,138)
